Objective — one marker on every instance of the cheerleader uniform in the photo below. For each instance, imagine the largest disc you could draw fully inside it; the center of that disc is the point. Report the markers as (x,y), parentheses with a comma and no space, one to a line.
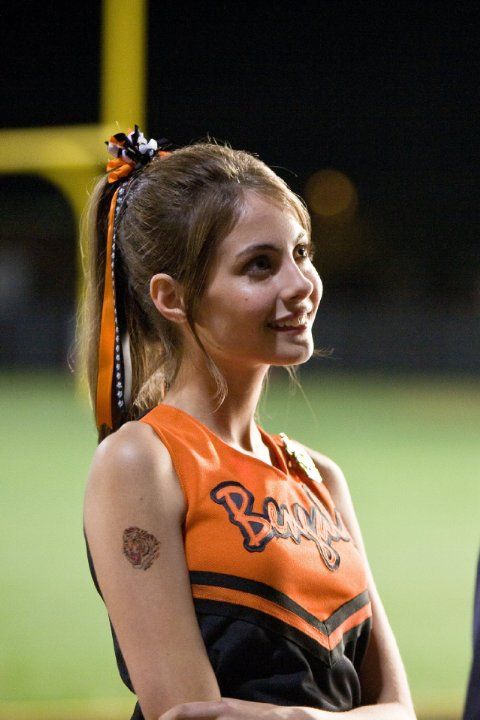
(279,588)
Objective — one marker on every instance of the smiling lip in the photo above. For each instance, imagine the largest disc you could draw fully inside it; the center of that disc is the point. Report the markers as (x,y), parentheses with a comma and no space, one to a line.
(293,329)
(290,330)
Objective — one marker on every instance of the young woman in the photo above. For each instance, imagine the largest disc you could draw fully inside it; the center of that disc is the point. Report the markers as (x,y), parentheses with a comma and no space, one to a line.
(230,560)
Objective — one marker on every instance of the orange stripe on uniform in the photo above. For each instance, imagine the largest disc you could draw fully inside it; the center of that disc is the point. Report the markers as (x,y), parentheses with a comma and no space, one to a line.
(355,619)
(238,597)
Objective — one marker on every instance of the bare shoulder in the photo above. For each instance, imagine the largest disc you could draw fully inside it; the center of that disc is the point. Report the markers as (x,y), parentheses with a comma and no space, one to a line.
(133,462)
(134,443)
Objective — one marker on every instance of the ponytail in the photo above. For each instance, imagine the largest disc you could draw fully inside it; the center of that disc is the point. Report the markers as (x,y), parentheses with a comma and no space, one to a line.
(142,355)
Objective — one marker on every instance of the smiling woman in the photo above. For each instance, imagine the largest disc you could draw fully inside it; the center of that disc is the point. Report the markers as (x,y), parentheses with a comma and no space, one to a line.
(215,545)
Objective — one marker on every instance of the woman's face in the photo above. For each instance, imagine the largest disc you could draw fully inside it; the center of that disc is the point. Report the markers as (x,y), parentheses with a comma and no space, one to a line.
(262,274)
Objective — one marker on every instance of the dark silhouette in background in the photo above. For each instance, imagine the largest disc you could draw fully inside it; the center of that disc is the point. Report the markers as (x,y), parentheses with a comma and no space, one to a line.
(472,705)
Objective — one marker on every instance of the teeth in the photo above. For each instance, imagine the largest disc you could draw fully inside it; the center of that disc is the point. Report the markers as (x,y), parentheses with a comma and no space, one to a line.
(302,320)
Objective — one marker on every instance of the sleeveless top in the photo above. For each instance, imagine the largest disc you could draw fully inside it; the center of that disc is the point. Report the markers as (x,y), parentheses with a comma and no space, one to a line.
(279,588)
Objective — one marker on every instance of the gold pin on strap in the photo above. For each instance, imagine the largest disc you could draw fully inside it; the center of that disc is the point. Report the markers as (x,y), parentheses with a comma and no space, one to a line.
(302,458)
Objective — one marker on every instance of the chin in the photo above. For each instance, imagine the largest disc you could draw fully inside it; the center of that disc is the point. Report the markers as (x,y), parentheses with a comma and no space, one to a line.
(292,358)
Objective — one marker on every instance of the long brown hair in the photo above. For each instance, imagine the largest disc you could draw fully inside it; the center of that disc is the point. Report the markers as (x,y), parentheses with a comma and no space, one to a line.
(178,209)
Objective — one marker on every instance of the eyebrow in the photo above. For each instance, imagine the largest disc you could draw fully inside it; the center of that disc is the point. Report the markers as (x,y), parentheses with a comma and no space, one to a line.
(266,246)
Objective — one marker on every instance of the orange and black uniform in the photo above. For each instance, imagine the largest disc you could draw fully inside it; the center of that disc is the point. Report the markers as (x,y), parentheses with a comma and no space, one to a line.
(279,588)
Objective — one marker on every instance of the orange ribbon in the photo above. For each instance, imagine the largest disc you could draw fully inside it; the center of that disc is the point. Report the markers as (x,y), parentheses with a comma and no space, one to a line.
(117,169)
(106,345)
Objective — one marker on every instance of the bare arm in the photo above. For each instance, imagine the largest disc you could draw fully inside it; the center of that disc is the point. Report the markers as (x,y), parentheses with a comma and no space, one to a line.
(232,709)
(134,509)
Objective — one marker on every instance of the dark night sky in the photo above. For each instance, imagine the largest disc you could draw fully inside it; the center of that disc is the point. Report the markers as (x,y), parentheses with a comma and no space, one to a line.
(388,96)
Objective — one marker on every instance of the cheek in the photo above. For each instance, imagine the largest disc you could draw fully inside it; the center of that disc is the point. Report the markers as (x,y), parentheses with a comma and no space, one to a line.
(240,318)
(252,305)
(234,304)
(243,300)
(230,308)
(242,310)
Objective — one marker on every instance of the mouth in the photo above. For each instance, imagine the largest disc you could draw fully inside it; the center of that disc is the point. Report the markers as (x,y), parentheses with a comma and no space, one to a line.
(293,327)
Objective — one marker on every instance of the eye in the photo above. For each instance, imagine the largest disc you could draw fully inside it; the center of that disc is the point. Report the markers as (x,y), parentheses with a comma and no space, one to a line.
(308,249)
(261,264)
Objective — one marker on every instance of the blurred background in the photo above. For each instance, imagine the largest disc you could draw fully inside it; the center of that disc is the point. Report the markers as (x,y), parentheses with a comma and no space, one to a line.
(371,115)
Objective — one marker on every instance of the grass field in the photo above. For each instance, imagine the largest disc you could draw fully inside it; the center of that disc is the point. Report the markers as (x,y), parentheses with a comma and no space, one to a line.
(409,447)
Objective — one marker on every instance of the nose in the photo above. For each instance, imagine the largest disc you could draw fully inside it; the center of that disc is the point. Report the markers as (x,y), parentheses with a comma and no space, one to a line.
(298,284)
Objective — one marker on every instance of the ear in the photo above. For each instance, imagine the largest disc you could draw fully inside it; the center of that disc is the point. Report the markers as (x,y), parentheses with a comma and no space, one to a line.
(167,296)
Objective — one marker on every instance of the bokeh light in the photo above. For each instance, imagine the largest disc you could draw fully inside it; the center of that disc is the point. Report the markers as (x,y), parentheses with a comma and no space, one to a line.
(330,193)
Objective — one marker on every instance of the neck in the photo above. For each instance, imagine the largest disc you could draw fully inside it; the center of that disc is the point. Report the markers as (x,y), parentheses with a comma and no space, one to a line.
(234,421)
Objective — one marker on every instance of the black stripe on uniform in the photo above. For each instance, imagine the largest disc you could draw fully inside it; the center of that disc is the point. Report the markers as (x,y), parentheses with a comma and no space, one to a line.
(254,587)
(347,609)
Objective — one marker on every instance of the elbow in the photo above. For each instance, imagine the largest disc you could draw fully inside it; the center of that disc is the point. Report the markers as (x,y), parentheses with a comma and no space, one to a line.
(400,709)
(407,710)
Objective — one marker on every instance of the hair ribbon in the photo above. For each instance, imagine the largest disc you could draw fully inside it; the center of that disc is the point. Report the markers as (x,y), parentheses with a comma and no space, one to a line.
(131,152)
